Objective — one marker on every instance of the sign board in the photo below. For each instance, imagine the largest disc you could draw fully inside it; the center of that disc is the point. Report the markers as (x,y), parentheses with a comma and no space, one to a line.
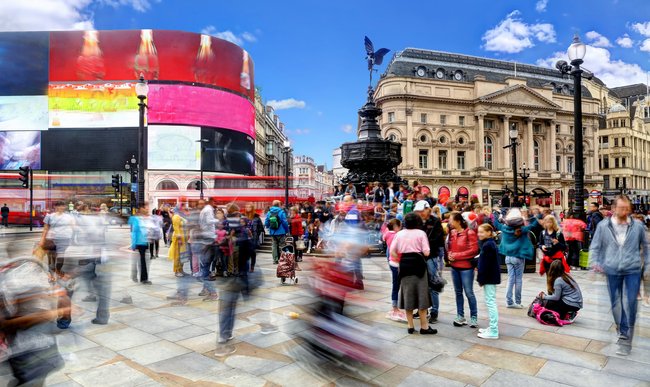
(134,187)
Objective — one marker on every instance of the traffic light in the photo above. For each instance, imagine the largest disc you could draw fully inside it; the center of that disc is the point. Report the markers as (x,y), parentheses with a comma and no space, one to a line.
(115,183)
(197,185)
(24,176)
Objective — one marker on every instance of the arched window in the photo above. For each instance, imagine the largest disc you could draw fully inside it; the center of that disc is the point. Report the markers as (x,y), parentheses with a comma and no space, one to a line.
(192,185)
(167,185)
(488,149)
(536,155)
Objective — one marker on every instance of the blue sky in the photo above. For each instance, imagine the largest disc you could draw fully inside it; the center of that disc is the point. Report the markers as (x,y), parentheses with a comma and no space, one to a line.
(312,52)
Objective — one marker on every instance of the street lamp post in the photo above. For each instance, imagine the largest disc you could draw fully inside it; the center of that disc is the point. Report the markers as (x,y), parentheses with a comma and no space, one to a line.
(132,168)
(141,90)
(286,151)
(201,149)
(524,176)
(576,53)
(514,134)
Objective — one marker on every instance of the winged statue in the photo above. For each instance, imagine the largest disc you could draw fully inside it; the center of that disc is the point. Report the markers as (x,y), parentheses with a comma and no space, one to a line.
(374,58)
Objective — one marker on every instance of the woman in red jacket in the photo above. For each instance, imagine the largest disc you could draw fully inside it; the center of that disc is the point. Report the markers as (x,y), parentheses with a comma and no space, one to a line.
(462,247)
(297,231)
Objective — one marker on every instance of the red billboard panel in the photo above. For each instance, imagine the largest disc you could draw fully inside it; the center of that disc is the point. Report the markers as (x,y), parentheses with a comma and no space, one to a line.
(200,106)
(158,55)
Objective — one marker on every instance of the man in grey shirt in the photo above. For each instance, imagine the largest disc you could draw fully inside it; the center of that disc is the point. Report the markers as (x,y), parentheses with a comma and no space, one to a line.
(618,250)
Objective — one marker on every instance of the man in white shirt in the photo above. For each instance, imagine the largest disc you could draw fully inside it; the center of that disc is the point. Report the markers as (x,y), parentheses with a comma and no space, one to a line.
(208,229)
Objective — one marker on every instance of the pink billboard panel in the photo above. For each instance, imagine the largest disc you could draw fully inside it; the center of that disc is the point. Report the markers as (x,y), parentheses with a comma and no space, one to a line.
(200,106)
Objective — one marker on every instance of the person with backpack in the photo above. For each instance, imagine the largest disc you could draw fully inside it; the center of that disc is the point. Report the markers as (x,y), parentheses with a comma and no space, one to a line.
(517,248)
(564,295)
(276,222)
(432,227)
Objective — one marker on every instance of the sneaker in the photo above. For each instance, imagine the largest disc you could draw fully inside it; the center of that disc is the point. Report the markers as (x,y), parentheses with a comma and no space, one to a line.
(428,331)
(459,321)
(483,330)
(97,321)
(401,316)
(433,319)
(623,336)
(473,322)
(211,297)
(223,340)
(623,350)
(488,335)
(204,293)
(89,298)
(225,350)
(392,315)
(146,283)
(179,275)
(515,306)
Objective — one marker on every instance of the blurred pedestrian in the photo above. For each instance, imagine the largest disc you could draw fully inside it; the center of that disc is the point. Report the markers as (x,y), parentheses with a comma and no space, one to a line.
(4,212)
(167,223)
(57,234)
(178,244)
(140,225)
(297,232)
(155,233)
(618,250)
(408,251)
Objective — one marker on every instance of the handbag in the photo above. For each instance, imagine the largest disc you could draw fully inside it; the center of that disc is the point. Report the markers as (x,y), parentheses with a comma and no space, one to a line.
(437,283)
(300,244)
(49,245)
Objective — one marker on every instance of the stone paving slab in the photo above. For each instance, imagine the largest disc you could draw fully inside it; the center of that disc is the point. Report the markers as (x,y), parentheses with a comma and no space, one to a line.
(154,352)
(583,377)
(502,359)
(117,374)
(453,368)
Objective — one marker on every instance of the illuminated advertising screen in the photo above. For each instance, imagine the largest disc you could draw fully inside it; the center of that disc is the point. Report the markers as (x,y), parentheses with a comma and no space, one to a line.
(174,147)
(158,55)
(93,105)
(201,106)
(88,149)
(20,149)
(228,151)
(24,63)
(23,112)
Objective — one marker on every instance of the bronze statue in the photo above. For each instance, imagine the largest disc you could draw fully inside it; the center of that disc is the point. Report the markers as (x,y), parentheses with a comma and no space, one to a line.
(374,57)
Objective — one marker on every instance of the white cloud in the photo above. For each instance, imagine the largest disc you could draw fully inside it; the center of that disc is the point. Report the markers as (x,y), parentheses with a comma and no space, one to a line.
(645,45)
(513,35)
(540,6)
(289,103)
(347,128)
(599,61)
(597,40)
(625,41)
(56,15)
(642,28)
(238,39)
(300,132)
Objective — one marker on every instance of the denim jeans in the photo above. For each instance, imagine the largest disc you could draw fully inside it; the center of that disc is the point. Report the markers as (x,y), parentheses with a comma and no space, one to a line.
(232,288)
(623,290)
(395,290)
(277,241)
(515,277)
(490,292)
(432,269)
(464,281)
(206,254)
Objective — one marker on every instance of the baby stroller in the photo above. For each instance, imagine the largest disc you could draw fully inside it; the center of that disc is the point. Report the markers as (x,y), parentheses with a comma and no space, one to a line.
(287,263)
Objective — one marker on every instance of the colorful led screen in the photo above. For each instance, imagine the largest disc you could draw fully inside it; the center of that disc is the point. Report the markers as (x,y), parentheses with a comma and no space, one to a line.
(228,151)
(158,55)
(200,106)
(20,149)
(174,147)
(24,112)
(96,105)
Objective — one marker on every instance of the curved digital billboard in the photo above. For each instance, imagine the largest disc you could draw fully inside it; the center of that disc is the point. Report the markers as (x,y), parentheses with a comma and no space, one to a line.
(158,55)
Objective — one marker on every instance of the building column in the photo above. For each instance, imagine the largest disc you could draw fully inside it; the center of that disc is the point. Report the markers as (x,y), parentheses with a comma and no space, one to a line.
(480,146)
(552,140)
(411,152)
(528,143)
(504,160)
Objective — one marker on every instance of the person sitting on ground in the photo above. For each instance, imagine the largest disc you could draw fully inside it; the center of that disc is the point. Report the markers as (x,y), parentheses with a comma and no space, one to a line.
(564,295)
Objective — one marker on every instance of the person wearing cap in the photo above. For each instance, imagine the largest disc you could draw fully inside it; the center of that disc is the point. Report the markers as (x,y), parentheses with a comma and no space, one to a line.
(432,226)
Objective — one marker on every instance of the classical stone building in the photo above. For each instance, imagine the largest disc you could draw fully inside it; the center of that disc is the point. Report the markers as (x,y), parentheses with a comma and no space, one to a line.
(452,114)
(625,145)
(311,179)
(270,157)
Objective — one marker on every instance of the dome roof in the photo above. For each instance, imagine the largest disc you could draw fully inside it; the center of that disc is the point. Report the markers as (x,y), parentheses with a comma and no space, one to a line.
(617,108)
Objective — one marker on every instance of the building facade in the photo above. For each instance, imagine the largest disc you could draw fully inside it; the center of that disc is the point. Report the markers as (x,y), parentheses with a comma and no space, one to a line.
(311,179)
(270,151)
(452,113)
(625,146)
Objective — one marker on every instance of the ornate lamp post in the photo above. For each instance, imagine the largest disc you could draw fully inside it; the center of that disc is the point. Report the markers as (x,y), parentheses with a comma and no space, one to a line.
(576,54)
(514,134)
(286,151)
(524,176)
(132,168)
(141,90)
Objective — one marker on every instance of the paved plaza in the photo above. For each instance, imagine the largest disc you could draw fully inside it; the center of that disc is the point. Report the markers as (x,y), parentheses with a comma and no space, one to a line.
(152,343)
